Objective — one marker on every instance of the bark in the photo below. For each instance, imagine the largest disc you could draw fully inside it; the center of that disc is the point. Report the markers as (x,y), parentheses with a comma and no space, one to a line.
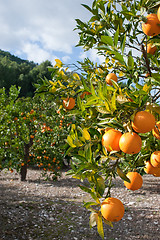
(23,171)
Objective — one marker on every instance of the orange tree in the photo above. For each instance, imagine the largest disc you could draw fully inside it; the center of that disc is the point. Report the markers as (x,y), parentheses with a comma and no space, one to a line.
(32,134)
(116,111)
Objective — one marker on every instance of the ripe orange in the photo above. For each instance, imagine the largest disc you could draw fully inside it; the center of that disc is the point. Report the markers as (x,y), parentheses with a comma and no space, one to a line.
(151,27)
(156,130)
(149,169)
(155,159)
(112,209)
(151,49)
(110,76)
(156,172)
(136,181)
(158,13)
(84,93)
(110,140)
(130,143)
(69,103)
(143,122)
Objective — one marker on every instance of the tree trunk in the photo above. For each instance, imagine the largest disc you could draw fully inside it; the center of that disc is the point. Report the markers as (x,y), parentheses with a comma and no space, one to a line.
(23,171)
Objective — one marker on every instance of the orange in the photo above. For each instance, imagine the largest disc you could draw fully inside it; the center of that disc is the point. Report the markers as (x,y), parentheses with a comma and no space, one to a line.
(84,93)
(136,181)
(112,209)
(149,169)
(151,49)
(110,76)
(156,172)
(156,130)
(155,159)
(130,143)
(69,103)
(151,26)
(143,122)
(110,140)
(158,13)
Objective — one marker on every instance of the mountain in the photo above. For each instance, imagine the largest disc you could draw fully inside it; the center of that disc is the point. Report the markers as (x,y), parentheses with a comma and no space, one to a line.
(19,72)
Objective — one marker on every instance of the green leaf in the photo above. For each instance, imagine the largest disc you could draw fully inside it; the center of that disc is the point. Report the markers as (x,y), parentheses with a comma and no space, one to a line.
(119,57)
(88,204)
(88,190)
(122,175)
(79,157)
(88,152)
(100,185)
(107,40)
(100,227)
(123,42)
(116,37)
(87,7)
(130,60)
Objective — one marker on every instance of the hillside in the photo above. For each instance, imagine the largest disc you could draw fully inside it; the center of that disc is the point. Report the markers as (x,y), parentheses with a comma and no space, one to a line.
(19,72)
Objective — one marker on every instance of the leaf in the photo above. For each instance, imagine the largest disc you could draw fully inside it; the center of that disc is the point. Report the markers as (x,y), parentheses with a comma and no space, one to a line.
(88,152)
(109,223)
(86,134)
(123,42)
(107,40)
(130,60)
(88,204)
(70,142)
(100,227)
(88,190)
(58,63)
(79,157)
(116,37)
(93,219)
(146,88)
(87,7)
(122,175)
(100,186)
(113,100)
(76,76)
(121,99)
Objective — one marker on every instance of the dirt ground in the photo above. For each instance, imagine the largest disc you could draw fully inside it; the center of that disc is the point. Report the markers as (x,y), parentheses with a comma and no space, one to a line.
(53,210)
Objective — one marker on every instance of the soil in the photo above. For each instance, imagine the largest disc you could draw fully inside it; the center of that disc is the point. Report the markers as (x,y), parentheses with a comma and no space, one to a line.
(53,210)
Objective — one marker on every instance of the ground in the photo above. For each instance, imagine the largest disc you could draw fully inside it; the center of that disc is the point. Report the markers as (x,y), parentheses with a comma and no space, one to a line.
(53,210)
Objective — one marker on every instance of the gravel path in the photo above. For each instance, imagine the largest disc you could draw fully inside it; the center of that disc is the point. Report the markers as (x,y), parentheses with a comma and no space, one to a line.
(46,210)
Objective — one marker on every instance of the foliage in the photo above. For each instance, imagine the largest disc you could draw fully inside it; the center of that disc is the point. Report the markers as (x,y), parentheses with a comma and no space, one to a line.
(32,133)
(15,71)
(115,30)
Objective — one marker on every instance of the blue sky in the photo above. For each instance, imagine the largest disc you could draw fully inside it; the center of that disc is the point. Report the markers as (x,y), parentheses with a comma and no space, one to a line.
(39,30)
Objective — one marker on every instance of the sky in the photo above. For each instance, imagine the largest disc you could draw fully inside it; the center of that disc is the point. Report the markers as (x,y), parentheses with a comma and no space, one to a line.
(39,30)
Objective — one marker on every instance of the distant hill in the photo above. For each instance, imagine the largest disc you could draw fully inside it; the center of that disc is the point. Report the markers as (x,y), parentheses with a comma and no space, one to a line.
(19,72)
(14,58)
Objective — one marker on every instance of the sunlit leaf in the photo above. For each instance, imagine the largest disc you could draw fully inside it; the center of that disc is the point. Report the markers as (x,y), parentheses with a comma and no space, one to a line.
(93,220)
(100,226)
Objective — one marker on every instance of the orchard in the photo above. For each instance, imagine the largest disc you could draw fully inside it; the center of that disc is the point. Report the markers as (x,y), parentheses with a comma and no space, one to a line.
(32,134)
(115,104)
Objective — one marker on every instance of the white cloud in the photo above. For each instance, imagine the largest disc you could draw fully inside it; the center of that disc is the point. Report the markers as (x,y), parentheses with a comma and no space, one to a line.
(92,55)
(44,27)
(35,53)
(66,59)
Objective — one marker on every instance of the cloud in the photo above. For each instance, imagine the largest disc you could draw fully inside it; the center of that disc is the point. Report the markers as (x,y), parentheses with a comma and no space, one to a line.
(92,54)
(66,59)
(39,29)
